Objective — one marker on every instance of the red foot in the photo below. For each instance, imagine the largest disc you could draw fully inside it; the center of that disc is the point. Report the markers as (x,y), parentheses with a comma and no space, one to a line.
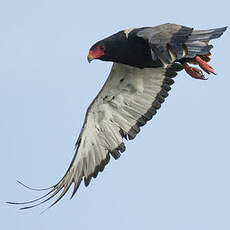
(194,72)
(204,65)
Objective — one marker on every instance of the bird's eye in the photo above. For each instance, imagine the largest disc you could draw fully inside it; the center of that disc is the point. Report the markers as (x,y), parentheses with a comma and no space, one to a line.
(102,47)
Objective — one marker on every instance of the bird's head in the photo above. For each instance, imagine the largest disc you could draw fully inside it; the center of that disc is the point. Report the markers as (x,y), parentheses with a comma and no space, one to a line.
(109,49)
(97,51)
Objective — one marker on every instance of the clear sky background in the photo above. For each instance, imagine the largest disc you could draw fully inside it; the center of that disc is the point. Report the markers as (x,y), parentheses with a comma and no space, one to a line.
(174,175)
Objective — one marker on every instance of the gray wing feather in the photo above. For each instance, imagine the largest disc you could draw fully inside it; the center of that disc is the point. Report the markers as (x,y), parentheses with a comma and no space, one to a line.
(163,36)
(198,41)
(171,42)
(206,35)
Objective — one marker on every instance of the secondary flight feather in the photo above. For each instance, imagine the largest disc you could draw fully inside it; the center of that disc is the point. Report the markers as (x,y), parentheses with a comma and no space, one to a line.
(145,62)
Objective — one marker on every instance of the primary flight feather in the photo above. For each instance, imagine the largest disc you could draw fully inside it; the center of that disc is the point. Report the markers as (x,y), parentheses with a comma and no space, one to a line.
(145,61)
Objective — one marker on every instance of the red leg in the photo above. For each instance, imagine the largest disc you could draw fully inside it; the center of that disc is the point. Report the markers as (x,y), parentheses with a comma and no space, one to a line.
(204,65)
(194,72)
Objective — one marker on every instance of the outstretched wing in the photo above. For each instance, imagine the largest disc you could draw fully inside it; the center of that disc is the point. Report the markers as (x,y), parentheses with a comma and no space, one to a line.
(170,42)
(128,99)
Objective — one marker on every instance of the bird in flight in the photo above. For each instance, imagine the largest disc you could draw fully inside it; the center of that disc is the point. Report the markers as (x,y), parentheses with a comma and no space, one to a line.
(145,61)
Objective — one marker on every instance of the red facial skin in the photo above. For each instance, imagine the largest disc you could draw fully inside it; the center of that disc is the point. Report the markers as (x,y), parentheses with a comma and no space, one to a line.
(96,53)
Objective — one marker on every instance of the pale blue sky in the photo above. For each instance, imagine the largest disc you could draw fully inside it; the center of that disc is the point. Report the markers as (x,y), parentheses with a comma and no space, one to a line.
(174,175)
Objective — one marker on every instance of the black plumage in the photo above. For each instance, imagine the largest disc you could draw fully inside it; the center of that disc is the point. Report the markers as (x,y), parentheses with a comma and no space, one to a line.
(149,47)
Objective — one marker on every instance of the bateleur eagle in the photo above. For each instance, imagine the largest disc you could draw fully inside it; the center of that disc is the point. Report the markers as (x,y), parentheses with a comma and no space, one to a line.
(145,62)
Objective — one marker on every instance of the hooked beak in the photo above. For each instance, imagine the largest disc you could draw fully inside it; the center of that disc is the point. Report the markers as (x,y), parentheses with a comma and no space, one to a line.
(90,57)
